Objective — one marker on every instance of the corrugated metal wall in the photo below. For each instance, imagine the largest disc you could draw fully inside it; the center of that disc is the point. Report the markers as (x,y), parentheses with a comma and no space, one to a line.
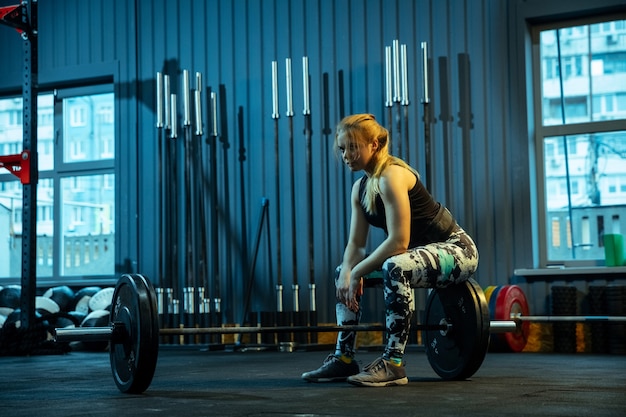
(234,42)
(479,77)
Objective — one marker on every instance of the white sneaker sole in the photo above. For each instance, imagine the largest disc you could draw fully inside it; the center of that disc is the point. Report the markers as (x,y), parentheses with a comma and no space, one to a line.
(401,381)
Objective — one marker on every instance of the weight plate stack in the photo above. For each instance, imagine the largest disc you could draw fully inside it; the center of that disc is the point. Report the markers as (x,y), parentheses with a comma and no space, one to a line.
(457,353)
(616,304)
(511,300)
(134,350)
(597,307)
(496,342)
(564,304)
(488,291)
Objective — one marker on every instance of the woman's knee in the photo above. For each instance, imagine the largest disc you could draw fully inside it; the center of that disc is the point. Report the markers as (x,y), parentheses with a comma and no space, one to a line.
(394,269)
(401,261)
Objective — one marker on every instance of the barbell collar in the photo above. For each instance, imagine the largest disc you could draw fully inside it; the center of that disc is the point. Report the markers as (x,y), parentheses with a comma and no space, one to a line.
(116,333)
(83,334)
(503,326)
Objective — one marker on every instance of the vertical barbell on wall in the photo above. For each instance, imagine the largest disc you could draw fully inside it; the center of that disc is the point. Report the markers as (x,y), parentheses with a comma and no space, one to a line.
(427,117)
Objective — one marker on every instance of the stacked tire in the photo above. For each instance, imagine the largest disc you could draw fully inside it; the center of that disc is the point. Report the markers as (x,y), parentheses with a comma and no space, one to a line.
(616,305)
(564,303)
(597,307)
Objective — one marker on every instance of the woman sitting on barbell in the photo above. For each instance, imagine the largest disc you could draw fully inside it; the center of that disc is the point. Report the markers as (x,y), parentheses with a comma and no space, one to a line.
(424,247)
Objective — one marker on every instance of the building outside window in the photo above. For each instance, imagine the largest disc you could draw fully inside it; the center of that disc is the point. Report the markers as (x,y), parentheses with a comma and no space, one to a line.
(75,192)
(580,114)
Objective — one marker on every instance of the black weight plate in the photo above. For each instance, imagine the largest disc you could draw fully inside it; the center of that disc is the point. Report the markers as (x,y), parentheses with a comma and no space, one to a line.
(134,356)
(458,353)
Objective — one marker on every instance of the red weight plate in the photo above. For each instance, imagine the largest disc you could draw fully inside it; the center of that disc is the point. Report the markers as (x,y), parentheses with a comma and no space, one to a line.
(511,300)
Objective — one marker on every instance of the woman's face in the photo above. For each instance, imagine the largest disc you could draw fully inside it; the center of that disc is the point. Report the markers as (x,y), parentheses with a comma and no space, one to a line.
(355,154)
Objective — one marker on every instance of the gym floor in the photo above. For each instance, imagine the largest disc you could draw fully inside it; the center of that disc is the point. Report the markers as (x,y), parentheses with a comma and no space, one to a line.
(193,382)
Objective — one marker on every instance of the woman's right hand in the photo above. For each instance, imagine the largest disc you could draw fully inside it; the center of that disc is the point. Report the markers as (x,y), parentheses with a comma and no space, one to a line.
(343,286)
(349,290)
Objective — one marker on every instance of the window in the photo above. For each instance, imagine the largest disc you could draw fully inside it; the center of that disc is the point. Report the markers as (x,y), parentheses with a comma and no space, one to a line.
(75,192)
(580,90)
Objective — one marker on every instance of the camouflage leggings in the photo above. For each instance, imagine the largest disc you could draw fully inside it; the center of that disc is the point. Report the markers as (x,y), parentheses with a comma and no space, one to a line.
(435,265)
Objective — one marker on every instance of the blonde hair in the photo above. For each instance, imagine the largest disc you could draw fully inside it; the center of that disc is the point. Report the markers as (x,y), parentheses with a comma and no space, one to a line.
(363,129)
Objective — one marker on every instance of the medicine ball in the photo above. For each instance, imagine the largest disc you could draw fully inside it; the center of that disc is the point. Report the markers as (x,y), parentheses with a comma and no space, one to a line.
(62,295)
(15,320)
(46,306)
(10,296)
(61,321)
(102,299)
(77,317)
(81,299)
(5,311)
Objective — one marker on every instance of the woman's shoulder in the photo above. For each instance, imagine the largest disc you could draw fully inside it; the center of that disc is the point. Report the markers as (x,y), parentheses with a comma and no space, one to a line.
(359,183)
(395,172)
(397,177)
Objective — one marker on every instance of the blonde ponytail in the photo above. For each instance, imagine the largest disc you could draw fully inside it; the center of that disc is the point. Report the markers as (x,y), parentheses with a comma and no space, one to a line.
(363,129)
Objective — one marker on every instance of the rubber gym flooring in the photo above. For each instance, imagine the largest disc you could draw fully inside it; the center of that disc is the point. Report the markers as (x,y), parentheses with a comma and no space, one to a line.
(193,382)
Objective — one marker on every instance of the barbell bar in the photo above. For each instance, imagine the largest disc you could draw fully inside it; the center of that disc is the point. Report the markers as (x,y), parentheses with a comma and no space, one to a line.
(92,334)
(87,334)
(456,330)
(495,326)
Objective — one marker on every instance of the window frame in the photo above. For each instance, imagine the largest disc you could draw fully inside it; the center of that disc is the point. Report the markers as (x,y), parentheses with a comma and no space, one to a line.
(542,131)
(76,169)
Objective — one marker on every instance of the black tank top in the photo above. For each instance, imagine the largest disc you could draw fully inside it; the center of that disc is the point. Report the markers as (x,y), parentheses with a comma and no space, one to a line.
(430,221)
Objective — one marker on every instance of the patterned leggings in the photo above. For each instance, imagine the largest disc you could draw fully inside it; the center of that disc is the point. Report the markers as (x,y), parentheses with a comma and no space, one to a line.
(435,265)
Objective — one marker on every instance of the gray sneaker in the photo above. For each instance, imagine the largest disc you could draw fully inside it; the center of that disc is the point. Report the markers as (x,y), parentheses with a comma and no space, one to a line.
(333,369)
(380,373)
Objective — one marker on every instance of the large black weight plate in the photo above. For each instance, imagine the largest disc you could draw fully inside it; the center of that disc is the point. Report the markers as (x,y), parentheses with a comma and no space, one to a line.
(458,353)
(134,353)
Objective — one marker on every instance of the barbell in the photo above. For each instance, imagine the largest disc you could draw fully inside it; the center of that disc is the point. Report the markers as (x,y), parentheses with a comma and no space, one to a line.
(456,331)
